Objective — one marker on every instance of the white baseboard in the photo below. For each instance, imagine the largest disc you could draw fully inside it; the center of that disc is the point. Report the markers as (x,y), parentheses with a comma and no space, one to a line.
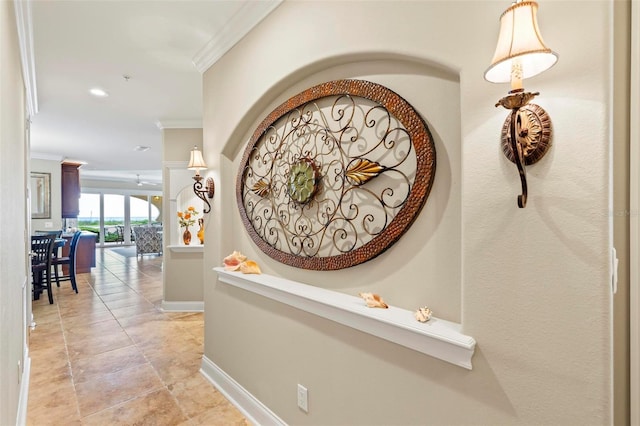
(254,410)
(182,306)
(21,417)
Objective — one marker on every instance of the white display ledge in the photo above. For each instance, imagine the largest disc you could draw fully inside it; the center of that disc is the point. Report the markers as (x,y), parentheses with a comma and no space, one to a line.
(181,248)
(437,338)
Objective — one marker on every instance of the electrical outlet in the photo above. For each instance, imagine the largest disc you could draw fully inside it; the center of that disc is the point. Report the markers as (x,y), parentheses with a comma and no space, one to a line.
(303,398)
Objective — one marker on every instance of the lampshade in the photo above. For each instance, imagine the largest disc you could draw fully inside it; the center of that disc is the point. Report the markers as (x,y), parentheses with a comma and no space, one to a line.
(520,40)
(196,161)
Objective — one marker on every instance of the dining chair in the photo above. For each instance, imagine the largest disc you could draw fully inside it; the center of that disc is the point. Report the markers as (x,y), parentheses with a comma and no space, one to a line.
(41,257)
(70,261)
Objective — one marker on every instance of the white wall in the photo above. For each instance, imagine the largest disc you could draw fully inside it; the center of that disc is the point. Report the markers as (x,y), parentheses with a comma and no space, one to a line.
(15,284)
(182,271)
(535,290)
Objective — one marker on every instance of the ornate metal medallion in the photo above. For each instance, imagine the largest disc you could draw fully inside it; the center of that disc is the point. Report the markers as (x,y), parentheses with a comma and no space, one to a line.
(302,181)
(335,175)
(534,134)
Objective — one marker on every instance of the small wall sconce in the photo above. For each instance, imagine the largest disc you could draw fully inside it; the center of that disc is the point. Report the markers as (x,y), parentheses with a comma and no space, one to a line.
(196,162)
(521,53)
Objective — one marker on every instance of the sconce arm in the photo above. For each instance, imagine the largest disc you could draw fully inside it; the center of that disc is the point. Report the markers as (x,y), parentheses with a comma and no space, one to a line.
(514,101)
(203,194)
(518,156)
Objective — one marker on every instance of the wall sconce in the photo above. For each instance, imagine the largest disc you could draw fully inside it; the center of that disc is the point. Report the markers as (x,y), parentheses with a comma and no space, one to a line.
(520,54)
(196,162)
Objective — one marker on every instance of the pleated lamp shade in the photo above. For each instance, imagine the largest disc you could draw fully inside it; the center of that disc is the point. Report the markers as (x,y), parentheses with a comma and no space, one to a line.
(520,40)
(196,162)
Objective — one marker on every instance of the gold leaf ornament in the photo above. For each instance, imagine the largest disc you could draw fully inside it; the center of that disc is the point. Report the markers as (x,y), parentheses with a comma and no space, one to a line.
(261,188)
(362,171)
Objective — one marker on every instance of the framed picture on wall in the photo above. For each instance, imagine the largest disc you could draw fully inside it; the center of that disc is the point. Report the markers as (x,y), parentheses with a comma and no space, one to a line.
(40,195)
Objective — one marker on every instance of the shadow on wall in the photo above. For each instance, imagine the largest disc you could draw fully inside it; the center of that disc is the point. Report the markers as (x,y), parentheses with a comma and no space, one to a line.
(433,242)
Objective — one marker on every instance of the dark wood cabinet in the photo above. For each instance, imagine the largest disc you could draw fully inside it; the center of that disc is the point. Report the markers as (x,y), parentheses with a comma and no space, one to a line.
(70,186)
(85,252)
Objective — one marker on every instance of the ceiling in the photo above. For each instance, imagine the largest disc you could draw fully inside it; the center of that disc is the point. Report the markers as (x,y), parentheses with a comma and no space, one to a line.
(147,55)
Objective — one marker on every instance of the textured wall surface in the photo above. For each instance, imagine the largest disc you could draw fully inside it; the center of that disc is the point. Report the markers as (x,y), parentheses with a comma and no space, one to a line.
(14,282)
(533,284)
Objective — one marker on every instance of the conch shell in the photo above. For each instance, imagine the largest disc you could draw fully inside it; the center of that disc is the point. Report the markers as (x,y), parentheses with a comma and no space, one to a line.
(233,261)
(249,267)
(373,300)
(423,314)
(238,261)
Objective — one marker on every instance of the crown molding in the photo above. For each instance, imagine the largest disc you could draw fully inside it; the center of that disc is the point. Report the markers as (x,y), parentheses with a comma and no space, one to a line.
(25,39)
(179,124)
(247,17)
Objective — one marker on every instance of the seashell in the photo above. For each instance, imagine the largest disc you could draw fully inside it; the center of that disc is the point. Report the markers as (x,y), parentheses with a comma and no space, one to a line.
(423,314)
(233,261)
(373,300)
(249,267)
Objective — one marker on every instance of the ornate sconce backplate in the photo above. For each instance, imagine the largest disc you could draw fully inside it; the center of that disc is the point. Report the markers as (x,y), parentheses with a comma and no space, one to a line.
(335,175)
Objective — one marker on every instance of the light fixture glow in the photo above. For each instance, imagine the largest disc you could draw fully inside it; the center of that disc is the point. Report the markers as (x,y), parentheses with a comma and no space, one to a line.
(196,162)
(98,92)
(521,53)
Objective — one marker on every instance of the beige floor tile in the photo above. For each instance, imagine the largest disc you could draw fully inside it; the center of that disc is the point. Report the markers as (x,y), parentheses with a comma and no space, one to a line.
(86,319)
(91,368)
(221,415)
(129,311)
(110,389)
(172,368)
(195,394)
(79,330)
(84,310)
(154,409)
(45,374)
(98,344)
(143,318)
(52,405)
(107,355)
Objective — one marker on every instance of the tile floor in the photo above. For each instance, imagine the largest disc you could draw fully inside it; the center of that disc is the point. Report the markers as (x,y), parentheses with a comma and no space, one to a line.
(109,356)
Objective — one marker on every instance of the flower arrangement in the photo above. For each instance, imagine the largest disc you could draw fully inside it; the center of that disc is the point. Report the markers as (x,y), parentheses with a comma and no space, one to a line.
(187,217)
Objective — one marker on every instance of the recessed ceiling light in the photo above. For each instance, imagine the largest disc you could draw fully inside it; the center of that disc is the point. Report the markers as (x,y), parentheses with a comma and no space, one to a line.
(97,92)
(141,148)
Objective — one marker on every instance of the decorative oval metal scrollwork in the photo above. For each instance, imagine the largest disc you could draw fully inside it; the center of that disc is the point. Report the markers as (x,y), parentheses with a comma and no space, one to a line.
(335,175)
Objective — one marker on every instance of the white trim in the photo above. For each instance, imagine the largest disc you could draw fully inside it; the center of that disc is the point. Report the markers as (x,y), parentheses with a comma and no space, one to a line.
(255,411)
(25,39)
(182,306)
(23,399)
(179,124)
(119,191)
(240,24)
(181,248)
(437,338)
(634,222)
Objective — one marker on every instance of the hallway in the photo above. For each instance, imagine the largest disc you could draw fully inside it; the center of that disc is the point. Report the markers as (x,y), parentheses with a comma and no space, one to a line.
(108,355)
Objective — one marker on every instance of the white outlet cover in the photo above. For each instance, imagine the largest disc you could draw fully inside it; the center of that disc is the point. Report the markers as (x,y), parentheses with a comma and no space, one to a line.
(303,398)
